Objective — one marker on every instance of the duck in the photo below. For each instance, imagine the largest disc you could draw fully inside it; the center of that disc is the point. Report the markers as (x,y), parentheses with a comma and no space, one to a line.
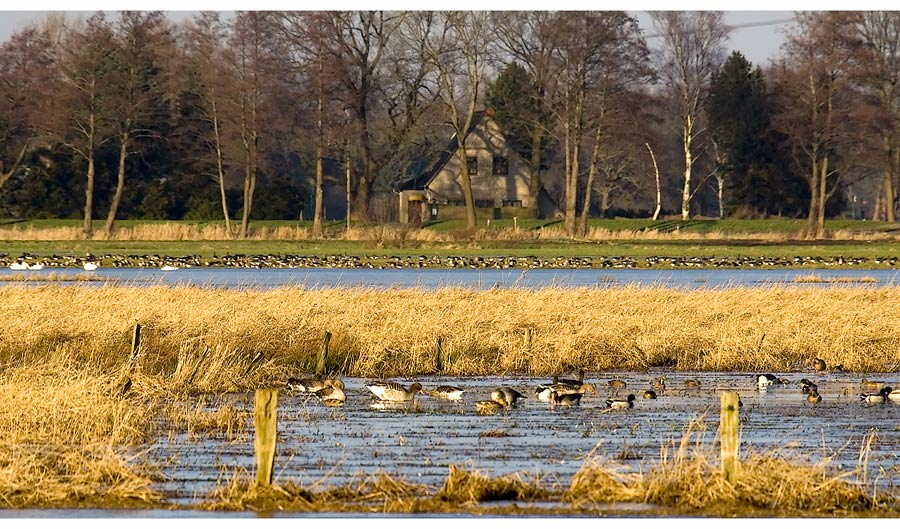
(768,379)
(91,267)
(838,368)
(572,381)
(819,364)
(808,386)
(871,384)
(617,383)
(649,394)
(394,392)
(564,399)
(813,396)
(894,395)
(660,383)
(544,392)
(508,395)
(488,407)
(876,398)
(447,392)
(615,404)
(692,383)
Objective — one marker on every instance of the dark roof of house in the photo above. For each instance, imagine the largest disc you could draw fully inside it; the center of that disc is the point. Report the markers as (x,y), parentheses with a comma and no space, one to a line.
(425,178)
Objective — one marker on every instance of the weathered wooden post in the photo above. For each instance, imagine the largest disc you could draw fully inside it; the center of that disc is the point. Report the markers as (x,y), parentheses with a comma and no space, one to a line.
(728,427)
(265,421)
(439,356)
(323,354)
(132,358)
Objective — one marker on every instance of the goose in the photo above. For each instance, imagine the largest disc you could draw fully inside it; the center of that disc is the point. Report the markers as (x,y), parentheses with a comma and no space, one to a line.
(394,392)
(692,383)
(447,392)
(312,384)
(813,396)
(876,398)
(871,384)
(819,364)
(617,383)
(36,266)
(616,404)
(571,381)
(509,395)
(488,407)
(332,396)
(90,267)
(649,394)
(564,399)
(18,265)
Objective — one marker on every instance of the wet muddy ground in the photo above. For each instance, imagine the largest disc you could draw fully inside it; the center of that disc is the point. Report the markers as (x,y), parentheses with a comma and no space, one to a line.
(320,446)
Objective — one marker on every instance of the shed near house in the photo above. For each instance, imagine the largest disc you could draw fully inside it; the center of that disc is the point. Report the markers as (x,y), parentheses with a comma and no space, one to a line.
(499,176)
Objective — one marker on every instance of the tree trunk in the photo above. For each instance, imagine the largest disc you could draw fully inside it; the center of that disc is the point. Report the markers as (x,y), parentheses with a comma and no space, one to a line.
(466,185)
(89,197)
(721,182)
(317,215)
(120,186)
(6,175)
(658,188)
(219,164)
(688,162)
(534,166)
(888,178)
(364,184)
(823,184)
(592,174)
(813,199)
(604,201)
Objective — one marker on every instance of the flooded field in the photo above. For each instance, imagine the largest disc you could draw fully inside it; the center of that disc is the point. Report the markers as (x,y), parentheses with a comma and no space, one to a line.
(319,446)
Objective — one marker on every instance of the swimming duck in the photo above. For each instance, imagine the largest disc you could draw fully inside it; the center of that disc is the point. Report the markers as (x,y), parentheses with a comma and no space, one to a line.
(838,368)
(768,379)
(808,386)
(876,398)
(571,381)
(615,404)
(819,364)
(543,392)
(649,394)
(813,396)
(871,384)
(447,392)
(894,395)
(564,399)
(394,392)
(692,383)
(508,395)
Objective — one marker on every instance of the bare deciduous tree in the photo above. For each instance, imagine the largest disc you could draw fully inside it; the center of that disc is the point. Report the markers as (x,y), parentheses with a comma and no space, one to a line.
(692,51)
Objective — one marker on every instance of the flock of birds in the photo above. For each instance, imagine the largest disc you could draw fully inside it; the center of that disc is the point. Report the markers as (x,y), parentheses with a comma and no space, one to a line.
(559,392)
(89,266)
(33,262)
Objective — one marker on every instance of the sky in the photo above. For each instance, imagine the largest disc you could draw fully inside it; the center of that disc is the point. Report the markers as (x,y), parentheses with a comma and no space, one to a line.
(759,44)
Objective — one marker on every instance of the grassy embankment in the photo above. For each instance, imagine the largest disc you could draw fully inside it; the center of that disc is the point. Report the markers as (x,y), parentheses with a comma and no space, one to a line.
(623,237)
(63,349)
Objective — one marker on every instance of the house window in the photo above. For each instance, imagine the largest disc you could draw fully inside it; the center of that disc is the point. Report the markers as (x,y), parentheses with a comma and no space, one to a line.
(501,166)
(472,164)
(512,203)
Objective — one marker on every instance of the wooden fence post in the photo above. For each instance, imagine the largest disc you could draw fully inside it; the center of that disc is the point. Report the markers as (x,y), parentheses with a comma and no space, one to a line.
(265,421)
(728,427)
(439,356)
(132,358)
(323,354)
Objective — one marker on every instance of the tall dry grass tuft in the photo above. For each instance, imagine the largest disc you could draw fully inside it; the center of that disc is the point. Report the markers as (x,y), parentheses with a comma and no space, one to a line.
(470,486)
(200,340)
(692,480)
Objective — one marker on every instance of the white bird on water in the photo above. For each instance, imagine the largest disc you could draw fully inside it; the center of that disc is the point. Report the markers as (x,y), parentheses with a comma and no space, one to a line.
(90,267)
(18,265)
(169,268)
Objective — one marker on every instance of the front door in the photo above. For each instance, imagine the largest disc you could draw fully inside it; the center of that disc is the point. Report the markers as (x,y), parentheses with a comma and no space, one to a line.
(415,212)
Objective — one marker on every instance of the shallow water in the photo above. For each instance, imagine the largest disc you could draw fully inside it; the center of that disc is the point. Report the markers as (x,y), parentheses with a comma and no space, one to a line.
(479,279)
(319,446)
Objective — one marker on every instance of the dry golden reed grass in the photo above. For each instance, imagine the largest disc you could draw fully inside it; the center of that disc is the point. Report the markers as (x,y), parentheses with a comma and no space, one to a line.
(197,339)
(692,481)
(172,231)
